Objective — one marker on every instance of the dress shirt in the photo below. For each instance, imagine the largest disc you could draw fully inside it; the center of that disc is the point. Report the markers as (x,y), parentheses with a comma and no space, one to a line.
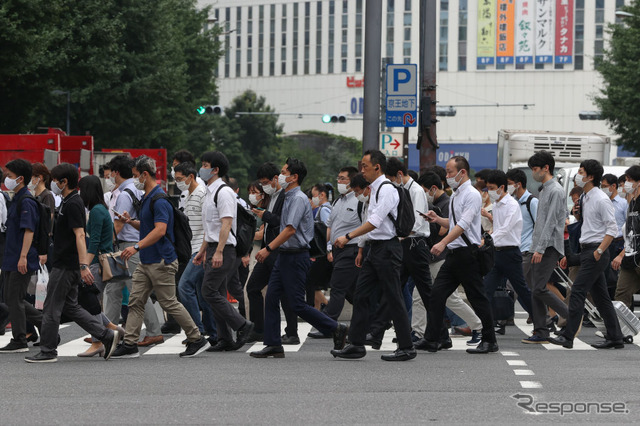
(552,212)
(507,222)
(362,239)
(344,217)
(527,222)
(212,213)
(598,217)
(383,200)
(420,204)
(112,202)
(125,203)
(296,212)
(193,203)
(620,205)
(270,208)
(466,201)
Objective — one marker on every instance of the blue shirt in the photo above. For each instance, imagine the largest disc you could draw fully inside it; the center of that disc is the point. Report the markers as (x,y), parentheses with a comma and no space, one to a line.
(162,212)
(527,221)
(124,203)
(620,205)
(17,222)
(323,212)
(296,212)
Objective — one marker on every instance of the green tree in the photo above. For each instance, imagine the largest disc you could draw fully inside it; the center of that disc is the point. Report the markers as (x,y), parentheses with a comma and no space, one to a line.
(619,99)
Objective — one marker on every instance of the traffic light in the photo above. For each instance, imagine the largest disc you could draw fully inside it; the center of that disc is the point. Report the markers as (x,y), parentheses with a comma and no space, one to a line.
(209,109)
(328,118)
(444,111)
(590,115)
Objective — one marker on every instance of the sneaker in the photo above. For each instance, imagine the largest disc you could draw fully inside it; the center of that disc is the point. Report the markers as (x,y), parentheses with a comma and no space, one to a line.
(41,357)
(151,341)
(195,348)
(476,338)
(125,351)
(534,338)
(14,347)
(111,344)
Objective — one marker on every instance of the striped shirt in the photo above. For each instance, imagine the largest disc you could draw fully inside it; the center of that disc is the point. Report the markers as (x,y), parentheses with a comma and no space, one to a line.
(193,209)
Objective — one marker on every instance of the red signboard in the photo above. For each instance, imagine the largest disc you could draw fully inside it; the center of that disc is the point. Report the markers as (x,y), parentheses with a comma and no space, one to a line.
(564,31)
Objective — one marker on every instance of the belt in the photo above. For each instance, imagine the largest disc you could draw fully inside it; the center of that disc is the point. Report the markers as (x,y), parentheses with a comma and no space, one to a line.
(589,245)
(215,244)
(378,242)
(615,240)
(293,250)
(461,249)
(507,248)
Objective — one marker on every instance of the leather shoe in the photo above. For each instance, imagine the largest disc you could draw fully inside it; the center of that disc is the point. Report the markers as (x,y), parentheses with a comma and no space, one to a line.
(290,340)
(340,336)
(400,355)
(425,345)
(484,348)
(350,352)
(255,337)
(561,340)
(445,344)
(608,344)
(151,341)
(223,346)
(372,341)
(243,333)
(318,335)
(269,351)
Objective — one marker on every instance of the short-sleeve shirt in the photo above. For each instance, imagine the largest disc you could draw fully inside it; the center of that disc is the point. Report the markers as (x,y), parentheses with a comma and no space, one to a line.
(71,216)
(213,212)
(124,203)
(17,222)
(296,212)
(162,213)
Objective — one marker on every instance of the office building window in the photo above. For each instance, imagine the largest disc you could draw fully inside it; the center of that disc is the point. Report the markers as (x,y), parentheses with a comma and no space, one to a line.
(307,37)
(283,49)
(463,14)
(227,28)
(390,29)
(444,35)
(332,27)
(238,31)
(272,39)
(318,37)
(296,40)
(578,47)
(598,47)
(358,35)
(345,25)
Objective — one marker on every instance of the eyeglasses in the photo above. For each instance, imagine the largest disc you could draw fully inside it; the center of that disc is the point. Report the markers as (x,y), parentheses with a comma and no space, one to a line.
(343,179)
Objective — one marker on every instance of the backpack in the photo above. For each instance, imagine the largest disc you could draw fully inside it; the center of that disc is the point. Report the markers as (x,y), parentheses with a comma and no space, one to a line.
(359,208)
(181,230)
(527,204)
(406,218)
(318,244)
(245,227)
(41,239)
(137,204)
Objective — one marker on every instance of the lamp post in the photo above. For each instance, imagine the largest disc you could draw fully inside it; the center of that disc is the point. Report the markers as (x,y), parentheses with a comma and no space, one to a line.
(68,93)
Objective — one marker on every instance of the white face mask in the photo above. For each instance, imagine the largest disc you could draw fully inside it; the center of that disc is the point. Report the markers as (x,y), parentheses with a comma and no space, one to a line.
(112,179)
(621,191)
(493,195)
(607,191)
(580,181)
(173,174)
(315,201)
(182,185)
(430,197)
(110,185)
(629,187)
(362,198)
(10,183)
(32,185)
(139,185)
(343,188)
(452,182)
(254,200)
(511,189)
(269,189)
(55,188)
(282,180)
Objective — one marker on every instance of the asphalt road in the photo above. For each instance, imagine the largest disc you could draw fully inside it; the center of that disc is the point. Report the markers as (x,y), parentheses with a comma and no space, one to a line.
(310,386)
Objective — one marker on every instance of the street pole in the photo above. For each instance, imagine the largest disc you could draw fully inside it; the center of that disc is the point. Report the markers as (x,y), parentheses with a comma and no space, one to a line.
(427,140)
(69,113)
(372,57)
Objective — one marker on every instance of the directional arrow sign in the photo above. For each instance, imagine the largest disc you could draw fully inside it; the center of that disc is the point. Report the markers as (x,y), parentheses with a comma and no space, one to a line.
(408,119)
(391,145)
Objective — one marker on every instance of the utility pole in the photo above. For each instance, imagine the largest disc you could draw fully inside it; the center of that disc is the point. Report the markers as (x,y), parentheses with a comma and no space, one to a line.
(427,137)
(372,58)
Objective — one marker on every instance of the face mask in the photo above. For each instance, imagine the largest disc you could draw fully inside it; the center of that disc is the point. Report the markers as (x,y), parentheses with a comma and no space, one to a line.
(430,197)
(32,186)
(55,188)
(182,185)
(253,199)
(628,187)
(110,185)
(205,174)
(343,188)
(112,179)
(452,182)
(538,176)
(621,191)
(493,195)
(607,192)
(511,189)
(315,201)
(10,183)
(282,180)
(268,189)
(580,181)
(362,198)
(139,185)
(173,174)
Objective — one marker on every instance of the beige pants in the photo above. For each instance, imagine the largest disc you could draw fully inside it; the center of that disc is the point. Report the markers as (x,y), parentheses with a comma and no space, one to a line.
(628,285)
(158,277)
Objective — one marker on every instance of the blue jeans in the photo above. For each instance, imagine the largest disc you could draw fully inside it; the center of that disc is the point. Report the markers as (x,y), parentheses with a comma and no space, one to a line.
(190,291)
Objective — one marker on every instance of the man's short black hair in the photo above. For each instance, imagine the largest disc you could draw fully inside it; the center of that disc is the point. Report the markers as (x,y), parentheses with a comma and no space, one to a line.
(123,165)
(517,176)
(267,171)
(217,159)
(611,179)
(622,179)
(593,168)
(633,172)
(350,170)
(414,175)
(461,163)
(440,171)
(297,167)
(66,171)
(187,168)
(377,158)
(541,159)
(358,181)
(483,174)
(430,179)
(20,167)
(498,178)
(394,166)
(184,156)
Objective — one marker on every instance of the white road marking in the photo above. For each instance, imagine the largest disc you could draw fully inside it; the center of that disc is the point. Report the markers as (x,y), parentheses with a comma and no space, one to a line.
(519,372)
(577,343)
(516,362)
(303,329)
(530,385)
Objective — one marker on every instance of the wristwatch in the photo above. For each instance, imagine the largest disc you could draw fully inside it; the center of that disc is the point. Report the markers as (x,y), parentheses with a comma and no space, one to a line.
(348,237)
(83,267)
(137,247)
(600,251)
(268,248)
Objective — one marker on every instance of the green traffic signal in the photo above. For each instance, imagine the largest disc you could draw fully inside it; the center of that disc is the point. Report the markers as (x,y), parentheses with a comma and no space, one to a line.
(201,110)
(326,118)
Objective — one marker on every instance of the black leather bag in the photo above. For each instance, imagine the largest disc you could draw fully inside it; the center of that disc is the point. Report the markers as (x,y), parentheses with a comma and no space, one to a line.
(88,298)
(503,304)
(485,254)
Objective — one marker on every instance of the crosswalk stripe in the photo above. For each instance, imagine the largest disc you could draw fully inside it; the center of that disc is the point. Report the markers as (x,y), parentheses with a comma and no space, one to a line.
(172,345)
(578,344)
(303,329)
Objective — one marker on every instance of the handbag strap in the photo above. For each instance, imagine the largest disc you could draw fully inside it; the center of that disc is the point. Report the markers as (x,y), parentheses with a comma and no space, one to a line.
(464,236)
(115,240)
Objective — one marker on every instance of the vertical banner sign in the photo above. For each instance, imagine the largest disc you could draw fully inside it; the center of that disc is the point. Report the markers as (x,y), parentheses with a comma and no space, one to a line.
(525,11)
(506,27)
(544,31)
(486,32)
(564,31)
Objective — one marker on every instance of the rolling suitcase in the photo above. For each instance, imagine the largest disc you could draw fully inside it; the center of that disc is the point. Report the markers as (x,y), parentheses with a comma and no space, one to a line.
(629,322)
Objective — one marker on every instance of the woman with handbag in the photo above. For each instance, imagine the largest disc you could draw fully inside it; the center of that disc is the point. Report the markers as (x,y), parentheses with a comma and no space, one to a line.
(99,240)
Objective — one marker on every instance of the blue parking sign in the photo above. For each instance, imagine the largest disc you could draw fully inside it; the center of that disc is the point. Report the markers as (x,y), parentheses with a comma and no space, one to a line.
(401,95)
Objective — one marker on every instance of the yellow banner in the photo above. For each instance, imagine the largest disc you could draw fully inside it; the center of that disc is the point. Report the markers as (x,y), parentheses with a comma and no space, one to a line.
(486,31)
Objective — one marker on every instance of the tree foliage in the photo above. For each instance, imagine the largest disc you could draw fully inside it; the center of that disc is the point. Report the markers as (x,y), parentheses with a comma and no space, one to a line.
(619,100)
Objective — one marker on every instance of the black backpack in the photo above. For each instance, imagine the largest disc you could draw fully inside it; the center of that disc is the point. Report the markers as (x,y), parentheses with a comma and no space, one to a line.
(318,244)
(245,227)
(41,238)
(527,204)
(181,230)
(406,218)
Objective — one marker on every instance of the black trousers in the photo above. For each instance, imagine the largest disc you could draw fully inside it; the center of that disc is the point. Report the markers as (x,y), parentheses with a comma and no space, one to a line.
(257,281)
(460,267)
(15,288)
(591,279)
(235,285)
(343,279)
(318,278)
(381,272)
